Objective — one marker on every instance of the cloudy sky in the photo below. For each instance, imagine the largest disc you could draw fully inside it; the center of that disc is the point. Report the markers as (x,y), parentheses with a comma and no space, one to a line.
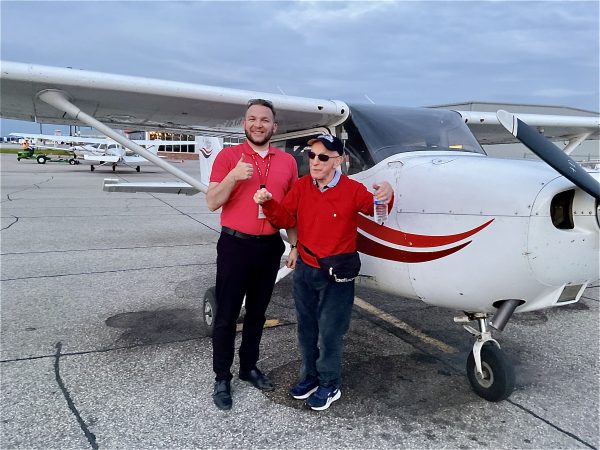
(410,53)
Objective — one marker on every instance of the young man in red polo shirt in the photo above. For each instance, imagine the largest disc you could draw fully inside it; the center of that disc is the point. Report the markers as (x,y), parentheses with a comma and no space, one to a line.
(324,207)
(249,249)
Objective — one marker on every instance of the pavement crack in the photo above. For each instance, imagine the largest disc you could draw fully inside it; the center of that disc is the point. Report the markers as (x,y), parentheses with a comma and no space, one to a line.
(11,224)
(106,249)
(91,437)
(185,214)
(107,350)
(556,427)
(106,271)
(35,185)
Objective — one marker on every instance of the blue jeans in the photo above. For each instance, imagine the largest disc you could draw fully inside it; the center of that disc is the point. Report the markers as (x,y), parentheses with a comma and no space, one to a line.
(323,310)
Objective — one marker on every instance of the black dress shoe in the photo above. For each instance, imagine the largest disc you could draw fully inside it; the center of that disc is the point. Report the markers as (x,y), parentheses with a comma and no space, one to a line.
(222,394)
(257,378)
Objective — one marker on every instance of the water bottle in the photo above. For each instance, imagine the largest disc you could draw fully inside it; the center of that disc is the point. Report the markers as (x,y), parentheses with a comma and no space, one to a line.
(381,210)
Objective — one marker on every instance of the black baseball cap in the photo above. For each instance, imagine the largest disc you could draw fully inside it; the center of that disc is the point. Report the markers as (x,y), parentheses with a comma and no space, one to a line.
(330,142)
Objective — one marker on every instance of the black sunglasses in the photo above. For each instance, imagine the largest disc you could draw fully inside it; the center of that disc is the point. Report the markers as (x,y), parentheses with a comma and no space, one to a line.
(322,157)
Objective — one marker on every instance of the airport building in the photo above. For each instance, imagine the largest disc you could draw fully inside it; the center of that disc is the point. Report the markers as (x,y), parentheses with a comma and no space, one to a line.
(179,150)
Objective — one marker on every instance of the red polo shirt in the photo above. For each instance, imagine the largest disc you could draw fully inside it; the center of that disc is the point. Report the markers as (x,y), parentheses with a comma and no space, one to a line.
(240,212)
(326,221)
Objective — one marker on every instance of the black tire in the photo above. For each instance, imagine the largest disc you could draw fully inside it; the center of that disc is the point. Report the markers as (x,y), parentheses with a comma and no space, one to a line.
(114,167)
(209,309)
(137,169)
(499,377)
(72,162)
(18,159)
(77,161)
(92,167)
(41,159)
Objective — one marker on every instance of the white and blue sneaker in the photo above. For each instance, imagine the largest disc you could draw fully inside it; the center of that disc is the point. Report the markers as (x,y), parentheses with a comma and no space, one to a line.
(304,388)
(323,397)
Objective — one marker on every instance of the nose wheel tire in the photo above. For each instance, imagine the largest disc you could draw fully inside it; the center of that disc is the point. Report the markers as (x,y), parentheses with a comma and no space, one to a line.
(209,309)
(498,379)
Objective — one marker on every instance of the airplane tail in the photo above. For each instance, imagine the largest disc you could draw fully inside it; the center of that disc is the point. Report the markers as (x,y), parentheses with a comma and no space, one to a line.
(207,148)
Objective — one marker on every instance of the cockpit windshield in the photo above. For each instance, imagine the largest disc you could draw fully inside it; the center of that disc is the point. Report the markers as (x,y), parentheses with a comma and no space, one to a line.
(376,132)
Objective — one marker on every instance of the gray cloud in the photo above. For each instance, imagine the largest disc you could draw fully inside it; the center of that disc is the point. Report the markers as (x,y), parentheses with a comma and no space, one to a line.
(406,53)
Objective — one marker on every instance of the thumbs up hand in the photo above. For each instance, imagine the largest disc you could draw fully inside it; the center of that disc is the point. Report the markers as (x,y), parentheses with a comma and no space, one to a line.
(242,170)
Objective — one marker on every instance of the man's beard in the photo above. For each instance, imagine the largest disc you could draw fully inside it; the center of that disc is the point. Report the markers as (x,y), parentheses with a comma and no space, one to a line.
(266,139)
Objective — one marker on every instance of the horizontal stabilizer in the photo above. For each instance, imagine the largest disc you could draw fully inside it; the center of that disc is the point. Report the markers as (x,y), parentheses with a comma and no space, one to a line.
(167,187)
(102,158)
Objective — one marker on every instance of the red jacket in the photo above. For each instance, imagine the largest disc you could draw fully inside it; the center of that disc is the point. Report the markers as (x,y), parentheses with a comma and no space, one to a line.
(326,221)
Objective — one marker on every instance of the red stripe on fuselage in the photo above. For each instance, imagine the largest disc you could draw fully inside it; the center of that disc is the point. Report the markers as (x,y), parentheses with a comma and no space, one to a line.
(370,247)
(413,240)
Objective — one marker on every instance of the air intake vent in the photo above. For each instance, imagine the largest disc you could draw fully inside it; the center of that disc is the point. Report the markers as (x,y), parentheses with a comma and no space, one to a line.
(570,293)
(561,210)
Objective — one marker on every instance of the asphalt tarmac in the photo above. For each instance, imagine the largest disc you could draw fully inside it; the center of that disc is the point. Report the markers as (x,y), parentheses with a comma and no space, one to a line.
(102,343)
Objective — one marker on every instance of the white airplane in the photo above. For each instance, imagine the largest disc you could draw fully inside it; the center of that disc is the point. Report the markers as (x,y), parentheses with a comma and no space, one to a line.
(102,151)
(485,236)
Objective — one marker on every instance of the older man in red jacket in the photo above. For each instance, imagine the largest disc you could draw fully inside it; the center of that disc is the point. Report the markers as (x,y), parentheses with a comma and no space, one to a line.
(324,207)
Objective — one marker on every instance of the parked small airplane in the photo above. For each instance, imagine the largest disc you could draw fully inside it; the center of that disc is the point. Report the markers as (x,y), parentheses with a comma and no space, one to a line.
(101,151)
(485,236)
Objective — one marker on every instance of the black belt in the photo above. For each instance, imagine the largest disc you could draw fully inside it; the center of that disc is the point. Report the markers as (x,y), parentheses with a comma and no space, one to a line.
(246,236)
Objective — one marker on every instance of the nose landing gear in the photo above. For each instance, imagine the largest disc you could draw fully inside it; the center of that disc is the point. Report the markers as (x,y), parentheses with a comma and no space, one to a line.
(490,374)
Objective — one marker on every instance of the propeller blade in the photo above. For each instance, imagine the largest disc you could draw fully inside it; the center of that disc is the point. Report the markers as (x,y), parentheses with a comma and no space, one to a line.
(550,153)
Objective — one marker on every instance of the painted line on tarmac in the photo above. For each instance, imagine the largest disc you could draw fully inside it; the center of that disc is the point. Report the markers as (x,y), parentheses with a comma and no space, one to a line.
(380,314)
(269,323)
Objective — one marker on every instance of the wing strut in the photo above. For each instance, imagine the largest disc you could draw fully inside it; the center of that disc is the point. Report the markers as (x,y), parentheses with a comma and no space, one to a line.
(58,99)
(575,141)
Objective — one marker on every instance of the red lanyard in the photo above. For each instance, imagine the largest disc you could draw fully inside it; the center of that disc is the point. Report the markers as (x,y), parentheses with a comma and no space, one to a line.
(263,183)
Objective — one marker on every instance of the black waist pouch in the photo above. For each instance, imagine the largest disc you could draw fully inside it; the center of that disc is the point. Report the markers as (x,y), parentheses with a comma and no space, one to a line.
(341,268)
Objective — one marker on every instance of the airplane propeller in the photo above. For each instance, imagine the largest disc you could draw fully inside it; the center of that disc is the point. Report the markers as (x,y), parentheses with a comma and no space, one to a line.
(550,153)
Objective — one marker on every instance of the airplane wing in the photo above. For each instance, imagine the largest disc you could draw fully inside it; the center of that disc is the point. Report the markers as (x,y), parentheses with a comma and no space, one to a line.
(60,138)
(102,158)
(488,130)
(126,102)
(554,122)
(135,160)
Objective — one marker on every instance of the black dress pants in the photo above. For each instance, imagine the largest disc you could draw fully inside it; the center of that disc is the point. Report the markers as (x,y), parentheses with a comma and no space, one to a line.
(244,267)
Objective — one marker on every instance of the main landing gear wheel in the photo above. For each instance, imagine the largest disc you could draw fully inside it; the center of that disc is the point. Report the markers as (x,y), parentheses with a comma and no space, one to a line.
(41,159)
(92,168)
(137,169)
(209,309)
(114,167)
(498,379)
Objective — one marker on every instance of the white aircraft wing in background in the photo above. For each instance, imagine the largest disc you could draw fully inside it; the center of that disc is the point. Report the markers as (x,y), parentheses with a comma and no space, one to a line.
(126,102)
(573,129)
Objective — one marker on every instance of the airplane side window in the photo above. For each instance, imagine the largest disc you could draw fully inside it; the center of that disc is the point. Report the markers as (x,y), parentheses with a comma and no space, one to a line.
(298,148)
(358,157)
